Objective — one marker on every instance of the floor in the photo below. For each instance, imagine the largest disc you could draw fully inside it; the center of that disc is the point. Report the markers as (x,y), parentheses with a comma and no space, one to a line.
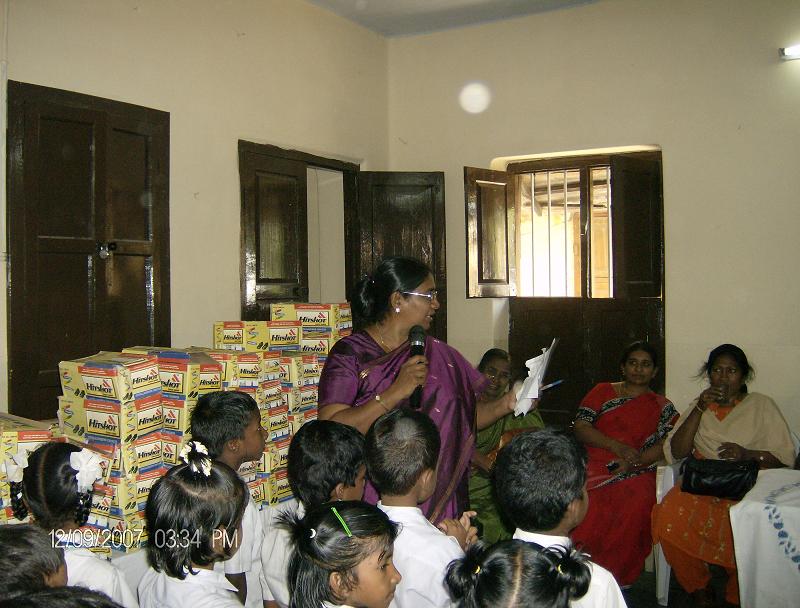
(643,592)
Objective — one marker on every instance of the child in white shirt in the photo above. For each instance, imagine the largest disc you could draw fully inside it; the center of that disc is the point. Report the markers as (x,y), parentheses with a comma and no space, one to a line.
(540,483)
(342,556)
(194,519)
(402,448)
(228,423)
(56,489)
(325,462)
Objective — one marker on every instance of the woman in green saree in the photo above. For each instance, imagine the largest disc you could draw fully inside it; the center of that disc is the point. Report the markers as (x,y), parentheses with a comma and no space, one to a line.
(496,366)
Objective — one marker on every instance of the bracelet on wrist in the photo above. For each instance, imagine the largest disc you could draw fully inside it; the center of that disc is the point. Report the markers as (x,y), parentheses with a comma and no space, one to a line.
(379,402)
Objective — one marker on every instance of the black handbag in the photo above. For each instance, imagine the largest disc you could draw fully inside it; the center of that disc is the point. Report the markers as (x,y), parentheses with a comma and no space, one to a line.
(720,478)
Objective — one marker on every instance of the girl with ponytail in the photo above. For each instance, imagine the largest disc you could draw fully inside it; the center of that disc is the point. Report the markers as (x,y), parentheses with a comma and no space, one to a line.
(56,491)
(518,574)
(194,517)
(342,556)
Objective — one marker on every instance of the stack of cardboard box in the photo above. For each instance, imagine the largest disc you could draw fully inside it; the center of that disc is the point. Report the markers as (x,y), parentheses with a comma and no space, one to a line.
(185,374)
(114,401)
(321,324)
(18,438)
(279,364)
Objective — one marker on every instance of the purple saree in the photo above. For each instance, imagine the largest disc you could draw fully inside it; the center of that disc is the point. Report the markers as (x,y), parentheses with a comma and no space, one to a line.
(357,369)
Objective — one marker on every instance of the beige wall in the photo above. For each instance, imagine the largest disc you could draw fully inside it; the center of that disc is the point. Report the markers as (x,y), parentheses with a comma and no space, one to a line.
(270,71)
(700,79)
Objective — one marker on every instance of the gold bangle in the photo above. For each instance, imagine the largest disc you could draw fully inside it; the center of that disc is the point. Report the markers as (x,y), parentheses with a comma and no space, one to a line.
(699,409)
(379,402)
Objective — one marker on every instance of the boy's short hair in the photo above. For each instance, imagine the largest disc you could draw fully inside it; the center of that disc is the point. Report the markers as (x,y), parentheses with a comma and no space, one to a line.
(323,454)
(27,556)
(400,446)
(537,476)
(220,417)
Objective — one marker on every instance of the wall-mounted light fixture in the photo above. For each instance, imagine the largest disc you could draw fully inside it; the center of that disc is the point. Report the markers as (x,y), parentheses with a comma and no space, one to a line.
(790,52)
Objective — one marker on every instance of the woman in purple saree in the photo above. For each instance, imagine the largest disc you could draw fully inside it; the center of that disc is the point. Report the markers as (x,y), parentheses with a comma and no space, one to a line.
(371,372)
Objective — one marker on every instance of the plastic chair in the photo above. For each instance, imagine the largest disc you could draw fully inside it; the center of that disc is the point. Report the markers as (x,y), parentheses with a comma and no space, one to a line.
(665,479)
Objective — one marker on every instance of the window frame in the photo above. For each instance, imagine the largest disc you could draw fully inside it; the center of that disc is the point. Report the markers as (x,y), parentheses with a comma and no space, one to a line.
(620,288)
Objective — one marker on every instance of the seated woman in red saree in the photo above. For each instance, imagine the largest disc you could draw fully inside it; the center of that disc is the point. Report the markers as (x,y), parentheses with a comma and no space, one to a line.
(371,372)
(623,425)
(727,423)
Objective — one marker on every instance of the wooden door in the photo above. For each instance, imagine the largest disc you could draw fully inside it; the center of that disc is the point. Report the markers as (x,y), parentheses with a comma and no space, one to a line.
(491,232)
(88,234)
(594,331)
(534,322)
(402,214)
(274,237)
(274,232)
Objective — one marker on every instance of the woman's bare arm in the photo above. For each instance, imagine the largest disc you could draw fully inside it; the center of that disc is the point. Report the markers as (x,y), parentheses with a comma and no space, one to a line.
(488,412)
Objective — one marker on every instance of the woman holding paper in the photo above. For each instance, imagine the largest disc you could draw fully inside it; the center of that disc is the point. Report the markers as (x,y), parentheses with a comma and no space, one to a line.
(496,366)
(372,372)
(623,425)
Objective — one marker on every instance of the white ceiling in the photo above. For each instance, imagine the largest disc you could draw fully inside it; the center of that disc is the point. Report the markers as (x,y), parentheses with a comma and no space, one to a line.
(409,17)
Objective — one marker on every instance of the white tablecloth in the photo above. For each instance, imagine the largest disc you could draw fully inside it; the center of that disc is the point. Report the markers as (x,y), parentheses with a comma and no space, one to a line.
(766,537)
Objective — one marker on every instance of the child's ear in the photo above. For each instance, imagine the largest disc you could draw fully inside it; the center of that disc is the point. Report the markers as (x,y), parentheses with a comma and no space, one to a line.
(576,510)
(233,445)
(338,492)
(428,479)
(338,587)
(57,578)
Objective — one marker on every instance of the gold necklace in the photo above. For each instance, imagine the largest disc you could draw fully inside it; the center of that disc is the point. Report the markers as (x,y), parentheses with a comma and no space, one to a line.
(383,342)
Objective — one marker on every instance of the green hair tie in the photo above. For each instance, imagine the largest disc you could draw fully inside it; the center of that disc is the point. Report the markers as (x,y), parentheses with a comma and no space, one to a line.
(341,521)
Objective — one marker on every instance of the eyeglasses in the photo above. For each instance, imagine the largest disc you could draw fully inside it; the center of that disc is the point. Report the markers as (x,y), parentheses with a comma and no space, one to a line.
(433,293)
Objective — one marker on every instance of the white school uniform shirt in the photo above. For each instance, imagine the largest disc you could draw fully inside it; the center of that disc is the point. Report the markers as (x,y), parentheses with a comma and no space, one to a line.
(85,569)
(248,558)
(604,592)
(275,553)
(421,554)
(205,589)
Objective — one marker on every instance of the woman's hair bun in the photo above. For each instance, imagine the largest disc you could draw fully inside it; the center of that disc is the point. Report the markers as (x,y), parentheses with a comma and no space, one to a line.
(371,294)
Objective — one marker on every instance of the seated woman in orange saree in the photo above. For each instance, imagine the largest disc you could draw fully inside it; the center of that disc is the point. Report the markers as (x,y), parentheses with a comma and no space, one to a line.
(622,424)
(725,422)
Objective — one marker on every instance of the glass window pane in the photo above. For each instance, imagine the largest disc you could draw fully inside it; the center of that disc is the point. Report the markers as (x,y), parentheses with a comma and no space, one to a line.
(600,234)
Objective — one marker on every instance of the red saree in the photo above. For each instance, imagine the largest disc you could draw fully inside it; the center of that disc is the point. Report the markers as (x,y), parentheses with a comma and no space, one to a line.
(357,368)
(616,530)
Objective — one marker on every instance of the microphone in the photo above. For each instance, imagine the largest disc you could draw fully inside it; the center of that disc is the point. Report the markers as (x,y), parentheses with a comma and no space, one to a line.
(416,337)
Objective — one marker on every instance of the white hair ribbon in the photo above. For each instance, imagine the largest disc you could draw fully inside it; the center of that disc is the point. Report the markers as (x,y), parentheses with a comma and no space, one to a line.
(15,465)
(205,462)
(88,467)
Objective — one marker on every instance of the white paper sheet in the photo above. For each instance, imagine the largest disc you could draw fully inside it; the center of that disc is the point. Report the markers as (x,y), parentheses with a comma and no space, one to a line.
(528,390)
